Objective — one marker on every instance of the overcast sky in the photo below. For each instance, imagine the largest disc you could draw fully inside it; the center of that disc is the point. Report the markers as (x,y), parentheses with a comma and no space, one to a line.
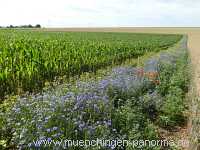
(100,13)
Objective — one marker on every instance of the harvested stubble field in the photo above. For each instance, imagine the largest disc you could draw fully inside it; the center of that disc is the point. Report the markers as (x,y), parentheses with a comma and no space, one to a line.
(132,102)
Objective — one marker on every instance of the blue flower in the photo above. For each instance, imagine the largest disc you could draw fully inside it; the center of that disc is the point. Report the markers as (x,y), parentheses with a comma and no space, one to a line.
(49,139)
(48,130)
(55,128)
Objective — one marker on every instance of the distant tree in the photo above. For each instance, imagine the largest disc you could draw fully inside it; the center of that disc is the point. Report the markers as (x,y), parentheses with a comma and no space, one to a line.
(37,26)
(24,26)
(11,26)
(30,26)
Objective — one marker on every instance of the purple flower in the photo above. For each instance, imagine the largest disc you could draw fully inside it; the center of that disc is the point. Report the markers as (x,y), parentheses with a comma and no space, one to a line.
(55,128)
(48,130)
(49,139)
(81,126)
(56,135)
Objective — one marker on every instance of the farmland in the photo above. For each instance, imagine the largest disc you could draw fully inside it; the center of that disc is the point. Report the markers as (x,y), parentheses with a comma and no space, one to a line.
(29,59)
(129,102)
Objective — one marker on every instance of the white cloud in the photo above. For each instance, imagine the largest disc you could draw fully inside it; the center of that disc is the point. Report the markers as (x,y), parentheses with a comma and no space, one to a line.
(66,13)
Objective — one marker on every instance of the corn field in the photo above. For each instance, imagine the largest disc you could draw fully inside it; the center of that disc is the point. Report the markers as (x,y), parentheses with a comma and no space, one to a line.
(28,59)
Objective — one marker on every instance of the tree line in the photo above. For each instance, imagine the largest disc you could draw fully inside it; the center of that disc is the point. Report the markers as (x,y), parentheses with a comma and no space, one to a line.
(23,26)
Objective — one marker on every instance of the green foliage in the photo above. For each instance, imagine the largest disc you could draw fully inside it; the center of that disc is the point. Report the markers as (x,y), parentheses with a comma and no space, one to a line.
(28,59)
(5,131)
(174,83)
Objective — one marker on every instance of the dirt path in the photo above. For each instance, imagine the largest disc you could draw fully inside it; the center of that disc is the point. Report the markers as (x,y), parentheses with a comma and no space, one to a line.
(193,127)
(194,47)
